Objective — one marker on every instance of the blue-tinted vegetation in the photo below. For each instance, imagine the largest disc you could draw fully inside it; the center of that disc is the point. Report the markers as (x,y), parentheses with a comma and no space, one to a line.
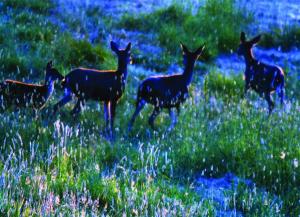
(61,164)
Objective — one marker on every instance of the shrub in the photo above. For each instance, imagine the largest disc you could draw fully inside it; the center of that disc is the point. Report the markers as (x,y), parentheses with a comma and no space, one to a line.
(73,53)
(285,38)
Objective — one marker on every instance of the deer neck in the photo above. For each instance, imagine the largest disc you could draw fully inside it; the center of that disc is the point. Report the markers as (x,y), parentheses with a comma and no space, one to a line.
(188,72)
(122,69)
(249,58)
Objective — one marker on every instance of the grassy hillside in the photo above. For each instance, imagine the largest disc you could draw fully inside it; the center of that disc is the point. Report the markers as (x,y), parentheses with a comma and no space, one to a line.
(63,165)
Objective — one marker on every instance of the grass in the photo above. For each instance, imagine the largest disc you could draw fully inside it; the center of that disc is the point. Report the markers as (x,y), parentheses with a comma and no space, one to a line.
(72,164)
(217,24)
(32,5)
(30,39)
(63,165)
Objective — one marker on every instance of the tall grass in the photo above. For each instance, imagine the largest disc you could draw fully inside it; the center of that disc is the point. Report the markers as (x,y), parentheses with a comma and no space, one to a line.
(62,165)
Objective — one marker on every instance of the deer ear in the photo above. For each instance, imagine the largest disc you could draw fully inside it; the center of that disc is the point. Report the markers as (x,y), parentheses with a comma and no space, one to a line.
(114,47)
(243,37)
(200,50)
(184,48)
(128,47)
(255,40)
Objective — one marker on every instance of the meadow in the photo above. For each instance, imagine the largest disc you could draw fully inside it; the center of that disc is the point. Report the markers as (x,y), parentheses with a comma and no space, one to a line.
(63,165)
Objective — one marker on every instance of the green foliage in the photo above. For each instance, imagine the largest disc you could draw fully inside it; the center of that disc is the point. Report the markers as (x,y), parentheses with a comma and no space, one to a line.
(33,5)
(217,24)
(29,40)
(285,38)
(226,87)
(61,165)
(71,52)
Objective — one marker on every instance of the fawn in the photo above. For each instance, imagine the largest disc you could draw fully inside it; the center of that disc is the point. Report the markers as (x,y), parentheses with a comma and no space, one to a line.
(22,94)
(262,78)
(166,91)
(106,86)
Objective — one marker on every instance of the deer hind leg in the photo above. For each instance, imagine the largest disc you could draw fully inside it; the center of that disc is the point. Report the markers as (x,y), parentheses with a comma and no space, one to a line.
(113,106)
(106,114)
(139,106)
(79,105)
(154,114)
(270,102)
(67,98)
(173,119)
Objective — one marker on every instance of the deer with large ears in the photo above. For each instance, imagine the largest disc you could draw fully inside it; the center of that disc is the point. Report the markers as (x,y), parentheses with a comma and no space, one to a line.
(166,91)
(20,94)
(261,77)
(106,86)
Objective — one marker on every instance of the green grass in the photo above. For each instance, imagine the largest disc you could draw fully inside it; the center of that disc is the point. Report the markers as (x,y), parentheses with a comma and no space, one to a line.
(286,38)
(32,5)
(29,40)
(78,165)
(217,24)
(63,165)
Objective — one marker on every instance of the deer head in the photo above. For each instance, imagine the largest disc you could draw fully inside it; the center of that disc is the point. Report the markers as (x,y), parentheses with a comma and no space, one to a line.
(124,57)
(190,57)
(245,47)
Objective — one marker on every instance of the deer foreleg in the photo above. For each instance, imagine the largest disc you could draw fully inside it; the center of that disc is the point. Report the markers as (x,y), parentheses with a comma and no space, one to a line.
(77,108)
(281,93)
(270,102)
(139,106)
(67,98)
(173,119)
(246,88)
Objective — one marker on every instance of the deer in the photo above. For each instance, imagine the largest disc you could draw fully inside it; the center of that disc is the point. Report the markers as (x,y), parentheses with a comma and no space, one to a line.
(20,94)
(167,91)
(106,86)
(262,78)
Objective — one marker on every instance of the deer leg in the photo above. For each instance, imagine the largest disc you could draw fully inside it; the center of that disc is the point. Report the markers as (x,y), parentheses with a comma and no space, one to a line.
(270,102)
(67,98)
(106,114)
(173,119)
(113,105)
(281,94)
(139,106)
(154,114)
(246,88)
(77,108)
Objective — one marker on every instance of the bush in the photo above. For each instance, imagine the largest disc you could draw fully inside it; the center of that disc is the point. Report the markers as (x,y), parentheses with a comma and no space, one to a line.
(285,38)
(73,53)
